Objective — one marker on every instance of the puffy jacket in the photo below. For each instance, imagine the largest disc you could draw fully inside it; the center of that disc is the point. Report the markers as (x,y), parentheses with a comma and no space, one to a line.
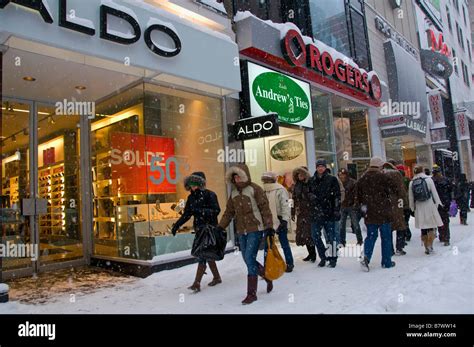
(277,196)
(325,197)
(349,187)
(247,204)
(202,204)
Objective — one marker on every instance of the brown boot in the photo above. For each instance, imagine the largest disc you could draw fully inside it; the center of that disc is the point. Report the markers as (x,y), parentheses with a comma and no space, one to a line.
(252,282)
(261,272)
(431,236)
(215,273)
(201,270)
(424,238)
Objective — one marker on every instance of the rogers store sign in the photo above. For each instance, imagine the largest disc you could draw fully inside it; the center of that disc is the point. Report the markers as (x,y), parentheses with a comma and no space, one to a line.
(310,56)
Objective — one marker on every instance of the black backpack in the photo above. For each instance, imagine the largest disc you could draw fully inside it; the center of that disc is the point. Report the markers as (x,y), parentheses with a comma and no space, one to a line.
(420,189)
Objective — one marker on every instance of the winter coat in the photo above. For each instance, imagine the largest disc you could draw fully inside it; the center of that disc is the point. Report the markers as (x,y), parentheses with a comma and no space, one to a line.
(462,195)
(277,196)
(325,197)
(349,190)
(372,196)
(426,212)
(247,204)
(398,198)
(445,190)
(202,204)
(302,206)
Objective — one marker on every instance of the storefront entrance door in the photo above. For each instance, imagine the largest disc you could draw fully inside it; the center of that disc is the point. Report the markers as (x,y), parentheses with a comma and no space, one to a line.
(41,188)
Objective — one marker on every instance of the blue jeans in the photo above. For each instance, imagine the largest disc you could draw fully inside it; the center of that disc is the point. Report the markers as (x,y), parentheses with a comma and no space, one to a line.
(332,239)
(249,243)
(285,245)
(345,212)
(387,244)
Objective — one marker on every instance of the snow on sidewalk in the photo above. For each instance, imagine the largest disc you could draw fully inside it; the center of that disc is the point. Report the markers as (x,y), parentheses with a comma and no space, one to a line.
(438,283)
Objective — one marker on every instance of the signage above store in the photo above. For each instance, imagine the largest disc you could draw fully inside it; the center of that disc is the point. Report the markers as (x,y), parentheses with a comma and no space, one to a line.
(105,12)
(274,92)
(255,127)
(438,45)
(297,53)
(385,28)
(462,126)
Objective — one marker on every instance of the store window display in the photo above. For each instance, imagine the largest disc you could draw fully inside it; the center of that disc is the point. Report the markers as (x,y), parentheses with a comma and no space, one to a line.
(148,139)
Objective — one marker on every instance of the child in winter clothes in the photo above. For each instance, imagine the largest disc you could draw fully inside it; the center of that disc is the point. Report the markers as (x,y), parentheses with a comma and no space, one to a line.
(277,196)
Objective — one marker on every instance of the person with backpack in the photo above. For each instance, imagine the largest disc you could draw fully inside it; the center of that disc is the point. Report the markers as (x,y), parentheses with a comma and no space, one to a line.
(202,204)
(445,192)
(462,198)
(424,202)
(248,206)
(277,196)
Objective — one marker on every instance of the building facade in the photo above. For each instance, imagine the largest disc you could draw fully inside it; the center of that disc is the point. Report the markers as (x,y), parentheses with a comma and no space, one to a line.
(106,107)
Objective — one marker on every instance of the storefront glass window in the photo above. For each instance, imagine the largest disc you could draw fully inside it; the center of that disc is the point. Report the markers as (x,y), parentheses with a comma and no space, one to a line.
(149,140)
(352,135)
(15,228)
(329,24)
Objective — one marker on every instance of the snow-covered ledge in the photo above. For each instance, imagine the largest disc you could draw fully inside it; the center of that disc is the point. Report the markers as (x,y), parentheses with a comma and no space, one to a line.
(4,292)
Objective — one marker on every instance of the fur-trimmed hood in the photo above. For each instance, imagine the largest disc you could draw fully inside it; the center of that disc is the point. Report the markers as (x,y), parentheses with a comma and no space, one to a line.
(196,179)
(240,169)
(302,170)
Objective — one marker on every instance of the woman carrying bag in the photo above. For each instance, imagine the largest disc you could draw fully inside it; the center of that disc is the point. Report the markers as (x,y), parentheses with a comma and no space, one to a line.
(201,204)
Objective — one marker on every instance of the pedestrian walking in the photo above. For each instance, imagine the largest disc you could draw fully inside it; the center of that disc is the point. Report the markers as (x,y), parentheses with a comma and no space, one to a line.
(462,198)
(347,207)
(399,200)
(424,202)
(277,196)
(202,204)
(446,193)
(248,206)
(325,199)
(406,209)
(372,197)
(301,211)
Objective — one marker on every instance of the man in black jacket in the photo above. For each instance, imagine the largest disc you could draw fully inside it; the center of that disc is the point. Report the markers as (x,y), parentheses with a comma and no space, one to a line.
(325,199)
(201,204)
(445,192)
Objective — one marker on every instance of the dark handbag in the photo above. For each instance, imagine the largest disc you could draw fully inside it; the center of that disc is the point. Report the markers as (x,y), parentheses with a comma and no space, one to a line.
(209,243)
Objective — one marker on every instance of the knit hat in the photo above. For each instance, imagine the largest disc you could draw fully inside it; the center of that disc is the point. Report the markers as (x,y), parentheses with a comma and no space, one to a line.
(376,162)
(321,162)
(436,169)
(269,176)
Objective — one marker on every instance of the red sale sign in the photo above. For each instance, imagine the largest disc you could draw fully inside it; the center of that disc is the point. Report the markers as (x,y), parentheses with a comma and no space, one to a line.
(143,164)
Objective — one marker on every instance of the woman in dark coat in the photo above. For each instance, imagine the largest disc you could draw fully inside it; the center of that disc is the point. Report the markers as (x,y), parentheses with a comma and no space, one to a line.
(201,204)
(301,210)
(462,198)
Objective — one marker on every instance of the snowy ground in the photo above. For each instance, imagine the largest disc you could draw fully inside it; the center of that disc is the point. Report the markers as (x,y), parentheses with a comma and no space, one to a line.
(438,283)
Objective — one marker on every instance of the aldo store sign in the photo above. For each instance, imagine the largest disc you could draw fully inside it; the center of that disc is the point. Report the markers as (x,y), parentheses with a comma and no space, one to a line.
(255,127)
(67,21)
(273,92)
(128,32)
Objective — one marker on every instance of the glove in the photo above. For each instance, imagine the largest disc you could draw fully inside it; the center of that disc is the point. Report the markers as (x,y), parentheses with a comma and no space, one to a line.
(337,215)
(412,213)
(283,223)
(270,232)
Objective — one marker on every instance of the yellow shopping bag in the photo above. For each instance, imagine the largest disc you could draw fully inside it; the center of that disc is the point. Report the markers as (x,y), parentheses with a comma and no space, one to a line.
(275,266)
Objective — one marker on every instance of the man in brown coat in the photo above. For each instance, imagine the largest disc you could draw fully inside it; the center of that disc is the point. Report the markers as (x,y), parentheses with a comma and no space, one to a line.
(248,206)
(399,199)
(373,198)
